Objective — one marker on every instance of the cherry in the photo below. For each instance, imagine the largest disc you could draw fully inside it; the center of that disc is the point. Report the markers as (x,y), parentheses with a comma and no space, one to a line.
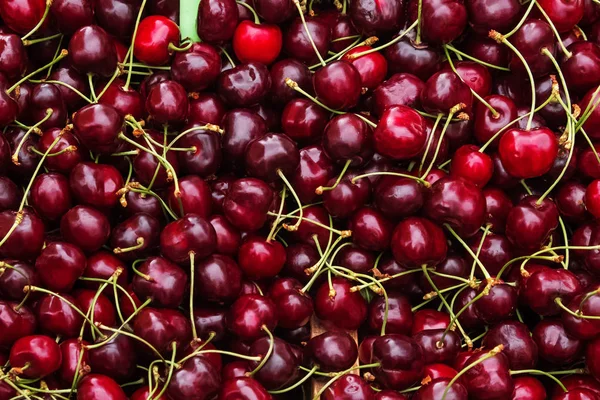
(68,75)
(197,68)
(487,124)
(351,387)
(228,237)
(144,393)
(117,17)
(255,42)
(375,17)
(501,17)
(577,394)
(531,38)
(471,164)
(45,96)
(162,327)
(75,359)
(515,143)
(260,258)
(194,197)
(452,265)
(115,359)
(581,66)
(247,202)
(271,155)
(438,345)
(8,105)
(241,387)
(10,194)
(51,196)
(37,356)
(281,367)
(399,317)
(85,227)
(355,259)
(244,85)
(491,377)
(217,20)
(59,265)
(437,387)
(544,287)
(496,250)
(16,323)
(275,11)
(335,308)
(417,241)
(581,328)
(206,108)
(338,85)
(167,102)
(241,127)
(530,224)
(407,56)
(191,233)
(498,304)
(563,14)
(299,257)
(303,120)
(469,317)
(97,386)
(554,344)
(400,89)
(135,237)
(56,316)
(14,56)
(348,139)
(297,44)
(527,387)
(155,36)
(126,101)
(333,351)
(288,68)
(398,197)
(314,170)
(370,229)
(103,311)
(206,159)
(400,133)
(91,50)
(97,126)
(443,91)
(441,21)
(13,280)
(436,371)
(578,381)
(372,67)
(102,265)
(498,206)
(27,239)
(248,314)
(160,280)
(218,279)
(210,321)
(400,361)
(487,50)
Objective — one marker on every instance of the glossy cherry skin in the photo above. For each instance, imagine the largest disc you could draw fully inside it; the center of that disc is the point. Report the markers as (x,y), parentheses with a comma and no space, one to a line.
(486,124)
(125,101)
(345,309)
(66,161)
(13,280)
(490,377)
(146,165)
(51,195)
(197,68)
(376,17)
(154,36)
(144,393)
(167,102)
(533,36)
(372,67)
(46,96)
(499,304)
(303,120)
(27,239)
(10,194)
(582,328)
(85,227)
(241,126)
(501,17)
(70,76)
(163,282)
(348,138)
(438,346)
(139,231)
(191,233)
(259,258)
(97,126)
(442,20)
(498,206)
(563,14)
(400,133)
(554,344)
(228,237)
(59,265)
(58,317)
(458,203)
(270,155)
(22,16)
(314,169)
(333,351)
(72,351)
(592,198)
(398,197)
(400,89)
(299,257)
(243,387)
(97,387)
(436,389)
(338,85)
(407,56)
(294,308)
(355,259)
(543,287)
(195,197)
(349,387)
(370,229)
(206,108)
(13,62)
(8,105)
(592,124)
(471,164)
(100,309)
(579,69)
(217,20)
(254,42)
(91,50)
(575,381)
(444,90)
(539,219)
(417,241)
(206,160)
(103,265)
(246,204)
(400,316)
(297,44)
(218,279)
(160,328)
(528,388)
(42,354)
(116,359)
(401,361)
(540,145)
(248,314)
(71,15)
(288,68)
(117,17)
(15,323)
(577,394)
(245,85)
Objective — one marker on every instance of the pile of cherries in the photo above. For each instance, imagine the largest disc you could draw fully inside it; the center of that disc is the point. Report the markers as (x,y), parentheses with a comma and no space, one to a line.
(275,199)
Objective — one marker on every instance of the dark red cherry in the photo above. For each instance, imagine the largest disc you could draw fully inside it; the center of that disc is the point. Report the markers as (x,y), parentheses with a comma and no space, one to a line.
(315,169)
(141,203)
(228,237)
(98,126)
(490,378)
(370,229)
(348,138)
(299,257)
(247,202)
(571,201)
(96,387)
(155,35)
(167,102)
(63,162)
(355,259)
(75,359)
(194,197)
(578,327)
(102,265)
(303,120)
(376,17)
(400,133)
(241,127)
(16,323)
(487,50)
(578,381)
(555,345)
(218,279)
(428,319)
(350,387)
(8,105)
(206,108)
(533,36)
(471,164)
(260,258)
(443,91)
(160,280)
(244,85)
(26,240)
(501,17)
(217,20)
(487,124)
(98,307)
(71,15)
(13,280)
(577,394)
(347,196)
(296,42)
(207,157)
(400,89)
(407,56)
(341,307)
(40,353)
(495,251)
(458,203)
(135,237)
(498,206)
(564,15)
(162,327)
(435,371)
(401,361)
(51,195)
(210,321)
(497,304)
(530,224)
(580,68)
(148,169)
(56,316)
(520,349)
(399,314)
(528,387)
(13,62)
(91,50)
(117,17)
(501,178)
(60,265)
(281,369)
(591,361)
(248,314)
(197,68)
(10,194)
(275,11)
(85,227)
(191,233)
(341,30)
(45,96)
(544,287)
(125,101)
(288,68)
(398,197)
(418,241)
(22,16)
(453,265)
(333,351)
(442,21)
(338,85)
(115,359)
(271,155)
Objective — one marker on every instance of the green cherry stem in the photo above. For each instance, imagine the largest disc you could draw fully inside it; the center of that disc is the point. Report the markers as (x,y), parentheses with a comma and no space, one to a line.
(256,19)
(465,55)
(386,173)
(522,21)
(192,255)
(567,53)
(430,141)
(295,385)
(538,372)
(486,274)
(266,357)
(383,46)
(308,34)
(34,128)
(63,54)
(135,30)
(322,189)
(40,22)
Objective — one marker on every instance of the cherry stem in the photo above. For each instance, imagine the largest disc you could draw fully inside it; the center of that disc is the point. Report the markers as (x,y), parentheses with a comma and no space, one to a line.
(559,302)
(138,272)
(419,16)
(385,45)
(522,21)
(552,249)
(83,96)
(210,127)
(339,54)
(139,244)
(342,234)
(249,7)
(40,22)
(440,139)
(192,255)
(138,188)
(170,373)
(92,89)
(385,279)
(176,49)
(338,375)
(586,298)
(297,384)
(467,56)
(278,218)
(92,307)
(63,54)
(481,242)
(293,192)
(228,57)
(34,128)
(77,369)
(492,353)
(430,141)
(538,372)
(594,101)
(56,54)
(40,40)
(567,53)
(322,189)
(131,335)
(486,274)
(266,357)
(319,266)
(386,173)
(18,220)
(135,30)
(308,34)
(67,149)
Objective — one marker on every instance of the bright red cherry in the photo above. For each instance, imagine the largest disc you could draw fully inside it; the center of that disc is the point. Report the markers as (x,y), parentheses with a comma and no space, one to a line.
(471,164)
(528,154)
(372,67)
(400,133)
(154,40)
(255,42)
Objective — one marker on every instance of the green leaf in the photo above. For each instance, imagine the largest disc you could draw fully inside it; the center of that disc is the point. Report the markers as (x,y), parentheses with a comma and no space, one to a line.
(188,18)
